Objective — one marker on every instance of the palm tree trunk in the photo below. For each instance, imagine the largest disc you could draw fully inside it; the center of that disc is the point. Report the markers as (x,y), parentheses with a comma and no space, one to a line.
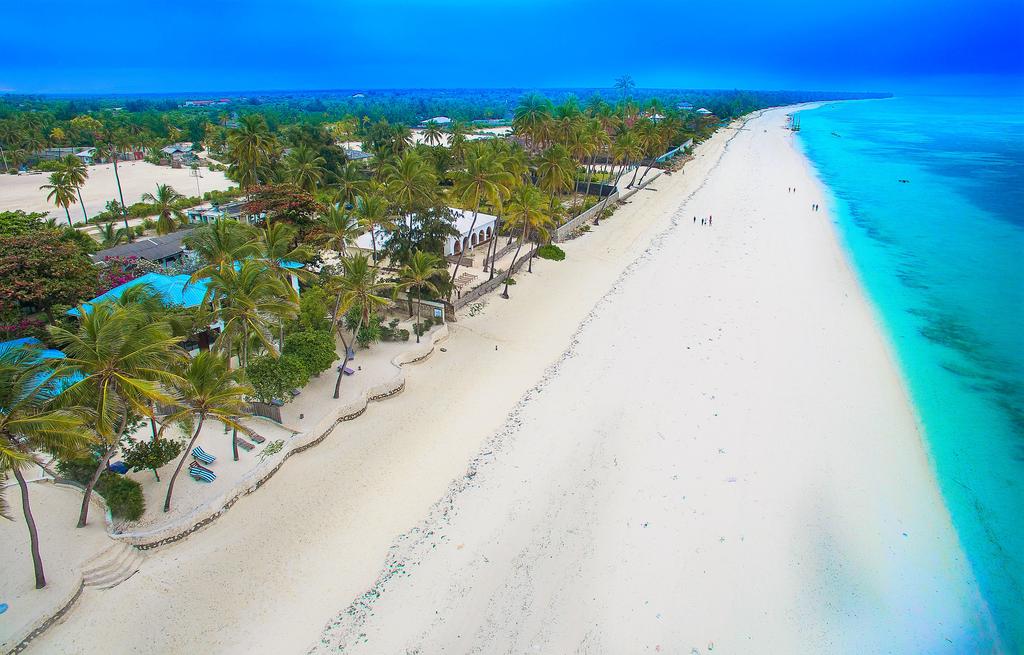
(635,171)
(177,469)
(33,535)
(82,202)
(124,210)
(462,251)
(417,315)
(344,362)
(508,274)
(492,251)
(83,516)
(68,213)
(604,201)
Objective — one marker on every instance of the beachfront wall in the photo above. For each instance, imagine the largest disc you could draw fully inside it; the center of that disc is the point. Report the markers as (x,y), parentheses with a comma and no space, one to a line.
(567,228)
(499,279)
(678,150)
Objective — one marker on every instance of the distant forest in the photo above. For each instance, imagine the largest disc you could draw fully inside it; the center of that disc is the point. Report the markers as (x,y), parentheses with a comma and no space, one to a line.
(164,115)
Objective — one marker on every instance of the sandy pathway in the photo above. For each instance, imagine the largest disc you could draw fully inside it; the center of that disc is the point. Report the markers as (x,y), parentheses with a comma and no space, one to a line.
(727,456)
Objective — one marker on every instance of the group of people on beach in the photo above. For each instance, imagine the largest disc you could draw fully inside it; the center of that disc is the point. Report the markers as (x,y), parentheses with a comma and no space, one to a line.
(791,189)
(814,207)
(703,221)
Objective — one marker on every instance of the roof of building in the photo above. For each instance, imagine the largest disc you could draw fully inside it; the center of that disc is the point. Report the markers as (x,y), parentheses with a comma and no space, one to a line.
(440,120)
(177,147)
(172,289)
(155,249)
(703,111)
(356,155)
(41,354)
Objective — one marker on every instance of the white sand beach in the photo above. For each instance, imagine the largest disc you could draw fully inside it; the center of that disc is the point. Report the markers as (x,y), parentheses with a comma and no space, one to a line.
(681,439)
(137,178)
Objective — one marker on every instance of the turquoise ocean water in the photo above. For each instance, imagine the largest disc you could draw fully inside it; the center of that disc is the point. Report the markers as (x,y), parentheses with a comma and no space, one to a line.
(942,258)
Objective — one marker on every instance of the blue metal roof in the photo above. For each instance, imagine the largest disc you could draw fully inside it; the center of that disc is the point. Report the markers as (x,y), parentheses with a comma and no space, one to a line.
(173,289)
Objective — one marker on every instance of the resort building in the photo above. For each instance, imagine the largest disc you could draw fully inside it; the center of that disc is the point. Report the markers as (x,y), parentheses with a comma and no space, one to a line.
(179,152)
(440,120)
(467,240)
(210,212)
(352,154)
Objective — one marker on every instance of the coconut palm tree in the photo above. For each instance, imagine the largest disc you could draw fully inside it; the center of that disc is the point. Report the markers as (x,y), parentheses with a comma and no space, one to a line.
(432,133)
(112,151)
(167,215)
(525,213)
(250,150)
(372,212)
(61,192)
(220,244)
(304,168)
(483,180)
(111,236)
(532,119)
(275,247)
(350,185)
(337,229)
(30,423)
(410,184)
(124,359)
(206,389)
(556,173)
(76,173)
(423,269)
(624,149)
(358,286)
(247,301)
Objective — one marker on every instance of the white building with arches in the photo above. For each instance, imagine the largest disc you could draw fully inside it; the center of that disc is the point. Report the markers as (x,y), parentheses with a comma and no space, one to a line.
(471,235)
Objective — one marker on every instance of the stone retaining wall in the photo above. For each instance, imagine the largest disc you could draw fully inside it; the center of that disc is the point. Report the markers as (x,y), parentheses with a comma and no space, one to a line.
(499,279)
(299,442)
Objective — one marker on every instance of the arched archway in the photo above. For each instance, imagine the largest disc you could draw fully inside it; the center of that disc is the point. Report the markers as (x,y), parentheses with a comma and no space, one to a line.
(458,247)
(465,243)
(472,240)
(488,232)
(482,237)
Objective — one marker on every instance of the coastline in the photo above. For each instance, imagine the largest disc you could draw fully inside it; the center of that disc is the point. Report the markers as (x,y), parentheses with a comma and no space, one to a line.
(318,537)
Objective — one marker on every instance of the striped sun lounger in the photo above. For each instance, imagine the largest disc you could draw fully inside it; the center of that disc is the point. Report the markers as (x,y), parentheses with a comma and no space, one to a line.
(202,455)
(243,444)
(255,437)
(201,473)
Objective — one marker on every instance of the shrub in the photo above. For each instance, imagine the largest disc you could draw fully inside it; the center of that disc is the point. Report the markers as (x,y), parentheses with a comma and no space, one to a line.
(79,470)
(148,224)
(511,280)
(272,378)
(314,310)
(141,455)
(402,335)
(123,496)
(552,252)
(140,230)
(314,349)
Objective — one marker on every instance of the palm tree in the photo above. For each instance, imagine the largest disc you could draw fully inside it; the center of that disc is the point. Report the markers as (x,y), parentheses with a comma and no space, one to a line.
(111,236)
(219,245)
(304,168)
(274,247)
(61,192)
(359,287)
(623,151)
(123,358)
(112,152)
(419,275)
(483,180)
(351,184)
(29,423)
(556,173)
(250,146)
(625,85)
(411,184)
(247,300)
(337,229)
(167,212)
(206,388)
(76,174)
(372,211)
(525,212)
(532,119)
(432,133)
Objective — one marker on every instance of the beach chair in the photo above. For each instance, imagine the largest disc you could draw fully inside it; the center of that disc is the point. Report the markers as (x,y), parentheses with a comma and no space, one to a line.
(200,473)
(243,444)
(202,455)
(348,371)
(255,437)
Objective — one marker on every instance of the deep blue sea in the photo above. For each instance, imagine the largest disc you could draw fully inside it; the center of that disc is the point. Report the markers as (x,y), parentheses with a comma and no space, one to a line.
(942,258)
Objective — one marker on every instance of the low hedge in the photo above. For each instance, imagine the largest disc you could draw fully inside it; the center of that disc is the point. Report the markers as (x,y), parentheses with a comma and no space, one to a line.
(552,252)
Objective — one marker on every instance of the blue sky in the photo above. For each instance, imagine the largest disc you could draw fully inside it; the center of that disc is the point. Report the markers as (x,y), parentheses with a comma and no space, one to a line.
(905,46)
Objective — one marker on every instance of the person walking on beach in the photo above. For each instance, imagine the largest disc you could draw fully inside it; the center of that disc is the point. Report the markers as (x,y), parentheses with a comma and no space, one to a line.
(709,220)
(694,220)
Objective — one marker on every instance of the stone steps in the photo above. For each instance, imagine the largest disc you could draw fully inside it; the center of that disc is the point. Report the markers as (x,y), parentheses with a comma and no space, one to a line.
(112,567)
